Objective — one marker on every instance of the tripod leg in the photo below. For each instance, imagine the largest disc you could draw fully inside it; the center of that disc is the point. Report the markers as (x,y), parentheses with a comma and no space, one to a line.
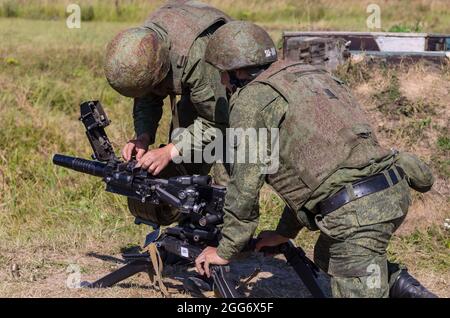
(119,275)
(304,267)
(223,284)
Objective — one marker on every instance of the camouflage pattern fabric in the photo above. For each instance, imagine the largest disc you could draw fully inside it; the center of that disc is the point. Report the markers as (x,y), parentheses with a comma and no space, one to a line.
(324,128)
(240,44)
(136,60)
(360,231)
(418,174)
(204,105)
(353,242)
(184,21)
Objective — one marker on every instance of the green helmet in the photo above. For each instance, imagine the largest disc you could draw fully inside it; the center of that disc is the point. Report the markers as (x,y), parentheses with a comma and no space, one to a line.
(136,61)
(240,44)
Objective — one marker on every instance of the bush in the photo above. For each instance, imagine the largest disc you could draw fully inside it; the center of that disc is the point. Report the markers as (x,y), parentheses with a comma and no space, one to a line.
(87,13)
(10,9)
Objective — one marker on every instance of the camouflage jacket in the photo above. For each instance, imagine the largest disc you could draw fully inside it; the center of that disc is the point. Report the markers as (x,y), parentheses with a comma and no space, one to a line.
(201,86)
(260,106)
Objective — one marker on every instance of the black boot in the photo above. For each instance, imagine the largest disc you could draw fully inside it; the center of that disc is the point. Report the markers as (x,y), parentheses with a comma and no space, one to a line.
(406,286)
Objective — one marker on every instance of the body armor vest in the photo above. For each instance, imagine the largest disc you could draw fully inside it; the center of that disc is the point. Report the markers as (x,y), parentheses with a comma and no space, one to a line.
(324,128)
(184,21)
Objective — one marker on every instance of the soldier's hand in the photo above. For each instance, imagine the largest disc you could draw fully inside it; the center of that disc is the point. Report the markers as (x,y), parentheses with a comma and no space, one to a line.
(138,147)
(154,161)
(269,238)
(208,257)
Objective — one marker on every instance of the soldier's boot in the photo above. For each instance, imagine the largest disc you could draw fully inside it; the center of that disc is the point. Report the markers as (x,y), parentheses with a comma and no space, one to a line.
(406,286)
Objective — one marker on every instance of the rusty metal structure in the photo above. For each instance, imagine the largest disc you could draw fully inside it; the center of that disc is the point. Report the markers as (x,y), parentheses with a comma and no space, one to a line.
(331,48)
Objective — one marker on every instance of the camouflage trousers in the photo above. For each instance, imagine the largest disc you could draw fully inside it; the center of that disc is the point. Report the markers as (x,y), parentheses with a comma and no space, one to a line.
(353,242)
(164,214)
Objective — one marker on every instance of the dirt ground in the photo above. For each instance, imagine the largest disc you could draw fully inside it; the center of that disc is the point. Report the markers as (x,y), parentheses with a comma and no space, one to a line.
(274,279)
(56,277)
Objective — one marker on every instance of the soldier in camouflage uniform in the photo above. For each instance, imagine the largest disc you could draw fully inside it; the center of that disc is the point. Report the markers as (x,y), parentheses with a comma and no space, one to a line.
(333,175)
(164,58)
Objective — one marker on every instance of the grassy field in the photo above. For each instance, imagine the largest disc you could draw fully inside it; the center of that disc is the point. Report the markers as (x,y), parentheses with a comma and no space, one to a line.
(413,15)
(50,218)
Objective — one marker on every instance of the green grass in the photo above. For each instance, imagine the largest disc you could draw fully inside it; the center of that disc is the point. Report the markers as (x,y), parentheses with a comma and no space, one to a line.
(444,143)
(442,156)
(39,97)
(397,16)
(431,247)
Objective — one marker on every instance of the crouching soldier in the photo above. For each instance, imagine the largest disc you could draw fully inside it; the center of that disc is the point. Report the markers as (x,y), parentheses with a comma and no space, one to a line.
(164,58)
(333,175)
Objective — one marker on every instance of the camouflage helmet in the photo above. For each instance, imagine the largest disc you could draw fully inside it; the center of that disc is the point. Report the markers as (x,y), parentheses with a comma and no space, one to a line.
(240,44)
(136,61)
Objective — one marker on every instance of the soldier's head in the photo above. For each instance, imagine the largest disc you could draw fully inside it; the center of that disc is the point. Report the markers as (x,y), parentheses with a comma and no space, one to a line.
(241,51)
(136,61)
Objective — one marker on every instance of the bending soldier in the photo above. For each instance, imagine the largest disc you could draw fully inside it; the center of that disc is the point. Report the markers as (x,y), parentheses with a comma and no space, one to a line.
(164,58)
(333,174)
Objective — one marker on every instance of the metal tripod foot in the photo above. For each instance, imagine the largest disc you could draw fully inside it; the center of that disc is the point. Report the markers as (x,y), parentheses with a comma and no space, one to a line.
(119,275)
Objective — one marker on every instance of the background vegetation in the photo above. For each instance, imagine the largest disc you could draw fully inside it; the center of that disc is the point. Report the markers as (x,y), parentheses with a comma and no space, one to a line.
(397,15)
(50,217)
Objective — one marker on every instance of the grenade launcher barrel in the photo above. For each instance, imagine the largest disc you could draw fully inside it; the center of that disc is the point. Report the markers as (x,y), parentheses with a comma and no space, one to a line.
(93,168)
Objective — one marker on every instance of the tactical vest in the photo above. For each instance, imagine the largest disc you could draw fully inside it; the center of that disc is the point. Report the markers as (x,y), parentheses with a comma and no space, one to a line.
(324,128)
(184,21)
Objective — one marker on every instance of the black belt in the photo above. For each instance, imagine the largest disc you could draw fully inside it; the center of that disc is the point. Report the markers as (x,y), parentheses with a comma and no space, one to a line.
(361,188)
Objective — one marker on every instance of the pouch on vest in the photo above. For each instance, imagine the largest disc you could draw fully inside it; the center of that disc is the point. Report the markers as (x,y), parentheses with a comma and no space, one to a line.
(418,174)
